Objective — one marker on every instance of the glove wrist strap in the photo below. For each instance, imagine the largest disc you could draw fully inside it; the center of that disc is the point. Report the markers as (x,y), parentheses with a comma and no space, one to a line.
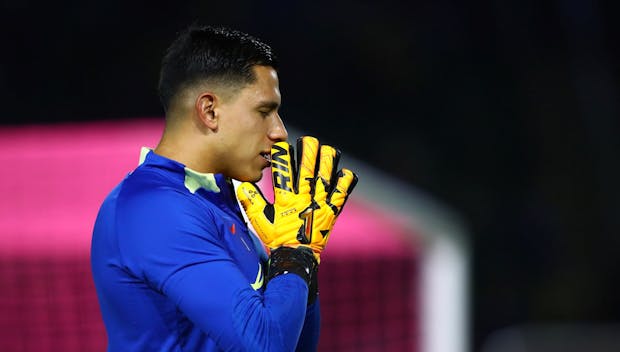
(299,261)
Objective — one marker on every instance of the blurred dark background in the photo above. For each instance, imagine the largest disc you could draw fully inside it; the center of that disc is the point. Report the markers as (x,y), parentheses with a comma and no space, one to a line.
(507,111)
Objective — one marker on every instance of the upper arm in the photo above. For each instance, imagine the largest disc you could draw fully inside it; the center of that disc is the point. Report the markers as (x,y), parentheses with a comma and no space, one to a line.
(180,254)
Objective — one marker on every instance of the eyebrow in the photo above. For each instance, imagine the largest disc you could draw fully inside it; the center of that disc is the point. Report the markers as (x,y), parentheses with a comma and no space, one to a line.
(271,105)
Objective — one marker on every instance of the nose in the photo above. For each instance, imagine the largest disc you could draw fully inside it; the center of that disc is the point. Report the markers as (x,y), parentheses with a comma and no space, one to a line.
(278,132)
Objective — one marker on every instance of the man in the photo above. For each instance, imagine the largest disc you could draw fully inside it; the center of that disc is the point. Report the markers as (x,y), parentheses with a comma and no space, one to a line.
(175,266)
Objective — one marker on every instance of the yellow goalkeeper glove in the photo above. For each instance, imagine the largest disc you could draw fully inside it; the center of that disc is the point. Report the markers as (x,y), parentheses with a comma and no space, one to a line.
(309,194)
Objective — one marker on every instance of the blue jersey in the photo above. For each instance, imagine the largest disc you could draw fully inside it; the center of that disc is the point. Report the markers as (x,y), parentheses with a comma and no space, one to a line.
(176,269)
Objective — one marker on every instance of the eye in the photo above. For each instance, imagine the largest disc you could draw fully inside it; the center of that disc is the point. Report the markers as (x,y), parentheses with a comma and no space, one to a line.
(264,113)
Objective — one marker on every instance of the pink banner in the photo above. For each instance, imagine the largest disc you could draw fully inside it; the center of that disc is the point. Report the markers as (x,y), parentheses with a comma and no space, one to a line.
(54,178)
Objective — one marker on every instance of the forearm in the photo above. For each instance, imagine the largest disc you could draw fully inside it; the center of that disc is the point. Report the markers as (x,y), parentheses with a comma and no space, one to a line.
(309,339)
(216,298)
(300,262)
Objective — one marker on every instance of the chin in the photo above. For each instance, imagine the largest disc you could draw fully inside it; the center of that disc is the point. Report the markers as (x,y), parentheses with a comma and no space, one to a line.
(257,178)
(251,178)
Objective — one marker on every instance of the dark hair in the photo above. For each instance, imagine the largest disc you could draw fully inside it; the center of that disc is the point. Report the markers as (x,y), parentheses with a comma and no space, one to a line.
(202,53)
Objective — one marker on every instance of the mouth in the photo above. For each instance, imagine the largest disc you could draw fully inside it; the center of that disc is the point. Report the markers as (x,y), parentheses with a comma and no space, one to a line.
(266,156)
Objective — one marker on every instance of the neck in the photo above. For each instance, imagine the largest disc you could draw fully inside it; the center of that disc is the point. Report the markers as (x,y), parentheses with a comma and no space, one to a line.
(185,147)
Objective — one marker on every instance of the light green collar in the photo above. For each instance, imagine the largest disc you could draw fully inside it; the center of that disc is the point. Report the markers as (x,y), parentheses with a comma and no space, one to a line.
(143,152)
(194,180)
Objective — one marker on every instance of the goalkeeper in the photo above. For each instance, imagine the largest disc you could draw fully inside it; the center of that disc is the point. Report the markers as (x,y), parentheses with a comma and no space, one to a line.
(175,266)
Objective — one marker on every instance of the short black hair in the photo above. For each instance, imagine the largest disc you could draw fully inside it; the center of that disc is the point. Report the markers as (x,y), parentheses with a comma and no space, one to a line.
(202,53)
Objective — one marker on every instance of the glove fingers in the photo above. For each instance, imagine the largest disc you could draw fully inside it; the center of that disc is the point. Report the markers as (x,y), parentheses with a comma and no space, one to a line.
(346,181)
(282,170)
(328,163)
(307,155)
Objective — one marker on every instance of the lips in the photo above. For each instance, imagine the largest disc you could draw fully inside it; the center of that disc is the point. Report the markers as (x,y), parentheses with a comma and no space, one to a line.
(266,159)
(266,155)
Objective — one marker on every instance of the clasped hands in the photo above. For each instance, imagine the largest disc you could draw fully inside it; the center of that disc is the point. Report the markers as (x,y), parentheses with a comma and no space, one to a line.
(309,194)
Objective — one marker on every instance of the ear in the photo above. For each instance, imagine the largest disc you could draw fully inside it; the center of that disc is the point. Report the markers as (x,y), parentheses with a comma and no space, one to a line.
(205,109)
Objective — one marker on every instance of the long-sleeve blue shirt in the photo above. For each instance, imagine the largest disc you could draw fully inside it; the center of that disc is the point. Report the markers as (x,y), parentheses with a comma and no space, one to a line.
(177,269)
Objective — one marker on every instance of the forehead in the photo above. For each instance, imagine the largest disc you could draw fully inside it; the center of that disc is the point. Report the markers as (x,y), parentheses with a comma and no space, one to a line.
(265,87)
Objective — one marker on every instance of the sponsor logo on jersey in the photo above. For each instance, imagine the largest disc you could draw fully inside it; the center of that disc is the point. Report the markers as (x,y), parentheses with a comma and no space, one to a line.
(258,283)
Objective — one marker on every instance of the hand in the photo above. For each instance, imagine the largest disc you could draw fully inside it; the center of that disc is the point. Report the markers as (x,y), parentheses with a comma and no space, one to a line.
(309,194)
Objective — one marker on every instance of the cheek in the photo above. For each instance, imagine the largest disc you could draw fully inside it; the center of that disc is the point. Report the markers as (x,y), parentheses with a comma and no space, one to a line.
(254,126)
